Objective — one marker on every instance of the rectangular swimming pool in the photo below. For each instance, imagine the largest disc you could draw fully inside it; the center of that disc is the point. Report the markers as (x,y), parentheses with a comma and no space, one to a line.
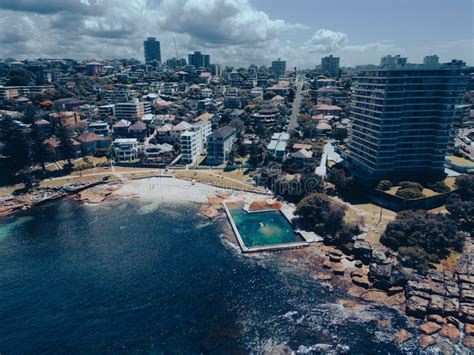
(262,229)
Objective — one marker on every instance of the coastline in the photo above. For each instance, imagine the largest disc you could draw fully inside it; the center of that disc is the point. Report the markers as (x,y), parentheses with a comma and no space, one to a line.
(329,265)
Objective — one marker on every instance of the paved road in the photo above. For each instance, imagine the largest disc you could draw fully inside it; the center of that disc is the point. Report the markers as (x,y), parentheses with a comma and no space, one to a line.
(470,147)
(297,102)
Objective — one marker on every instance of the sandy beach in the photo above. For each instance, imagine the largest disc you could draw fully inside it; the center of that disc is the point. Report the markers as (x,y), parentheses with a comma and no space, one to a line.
(170,189)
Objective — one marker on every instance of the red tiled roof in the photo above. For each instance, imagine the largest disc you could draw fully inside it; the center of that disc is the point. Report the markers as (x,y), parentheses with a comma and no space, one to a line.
(90,137)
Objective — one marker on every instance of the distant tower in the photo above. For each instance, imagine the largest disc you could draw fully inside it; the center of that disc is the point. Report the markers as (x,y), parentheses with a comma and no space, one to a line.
(279,67)
(431,60)
(199,60)
(152,50)
(330,65)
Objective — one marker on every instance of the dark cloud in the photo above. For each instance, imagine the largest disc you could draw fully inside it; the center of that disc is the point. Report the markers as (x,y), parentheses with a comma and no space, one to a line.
(53,6)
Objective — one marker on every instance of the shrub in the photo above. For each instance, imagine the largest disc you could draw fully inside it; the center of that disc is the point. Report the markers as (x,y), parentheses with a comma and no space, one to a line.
(346,234)
(409,193)
(411,185)
(100,152)
(435,234)
(84,166)
(439,186)
(384,185)
(415,257)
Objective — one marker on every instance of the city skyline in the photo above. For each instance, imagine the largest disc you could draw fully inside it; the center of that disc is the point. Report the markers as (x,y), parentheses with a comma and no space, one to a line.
(238,32)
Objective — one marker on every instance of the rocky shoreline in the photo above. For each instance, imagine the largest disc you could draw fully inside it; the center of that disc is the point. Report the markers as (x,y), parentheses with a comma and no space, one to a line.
(444,301)
(11,204)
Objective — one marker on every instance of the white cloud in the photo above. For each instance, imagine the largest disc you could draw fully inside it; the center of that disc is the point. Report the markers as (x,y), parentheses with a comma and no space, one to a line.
(219,22)
(86,29)
(326,41)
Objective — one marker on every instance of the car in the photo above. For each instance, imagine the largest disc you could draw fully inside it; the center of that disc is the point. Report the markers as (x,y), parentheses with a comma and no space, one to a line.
(466,140)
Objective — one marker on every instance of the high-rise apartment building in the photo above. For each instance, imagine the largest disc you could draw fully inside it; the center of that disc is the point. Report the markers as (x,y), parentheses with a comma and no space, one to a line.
(199,60)
(401,117)
(330,66)
(152,50)
(279,67)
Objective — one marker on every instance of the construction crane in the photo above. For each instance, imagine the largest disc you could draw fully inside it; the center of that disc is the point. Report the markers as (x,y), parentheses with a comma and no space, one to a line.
(175,48)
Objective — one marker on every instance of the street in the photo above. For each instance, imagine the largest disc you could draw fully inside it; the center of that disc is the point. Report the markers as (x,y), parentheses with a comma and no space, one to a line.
(299,81)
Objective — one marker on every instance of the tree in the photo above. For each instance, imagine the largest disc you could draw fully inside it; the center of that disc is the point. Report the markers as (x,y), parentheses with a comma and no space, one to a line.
(291,95)
(16,147)
(20,77)
(29,114)
(39,152)
(255,157)
(341,180)
(28,179)
(321,213)
(435,234)
(311,183)
(461,211)
(465,186)
(67,146)
(340,134)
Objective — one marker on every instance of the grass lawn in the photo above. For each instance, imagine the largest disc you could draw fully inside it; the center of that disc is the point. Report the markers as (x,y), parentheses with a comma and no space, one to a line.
(451,182)
(370,214)
(8,190)
(460,161)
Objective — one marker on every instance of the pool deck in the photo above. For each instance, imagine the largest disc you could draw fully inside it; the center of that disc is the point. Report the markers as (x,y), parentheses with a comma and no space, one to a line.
(274,247)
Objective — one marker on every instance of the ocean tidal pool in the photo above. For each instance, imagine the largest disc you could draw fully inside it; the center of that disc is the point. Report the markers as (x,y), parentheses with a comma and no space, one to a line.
(262,229)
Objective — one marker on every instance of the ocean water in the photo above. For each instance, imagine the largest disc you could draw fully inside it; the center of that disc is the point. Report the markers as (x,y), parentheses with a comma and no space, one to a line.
(129,277)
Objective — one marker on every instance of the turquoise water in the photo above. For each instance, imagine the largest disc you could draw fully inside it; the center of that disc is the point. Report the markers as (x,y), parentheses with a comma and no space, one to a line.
(8,228)
(263,228)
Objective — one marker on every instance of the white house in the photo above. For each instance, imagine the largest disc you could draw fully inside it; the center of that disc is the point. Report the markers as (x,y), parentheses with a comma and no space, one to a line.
(125,148)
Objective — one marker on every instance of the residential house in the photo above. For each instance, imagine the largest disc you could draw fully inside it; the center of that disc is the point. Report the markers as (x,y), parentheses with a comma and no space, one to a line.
(327,110)
(276,149)
(301,156)
(44,128)
(100,128)
(91,142)
(121,128)
(156,151)
(125,149)
(55,148)
(138,130)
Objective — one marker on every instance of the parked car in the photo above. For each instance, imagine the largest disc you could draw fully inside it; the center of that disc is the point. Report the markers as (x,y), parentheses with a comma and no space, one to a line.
(466,140)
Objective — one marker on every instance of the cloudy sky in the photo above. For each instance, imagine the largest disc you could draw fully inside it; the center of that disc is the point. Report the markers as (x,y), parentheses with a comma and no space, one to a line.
(239,32)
